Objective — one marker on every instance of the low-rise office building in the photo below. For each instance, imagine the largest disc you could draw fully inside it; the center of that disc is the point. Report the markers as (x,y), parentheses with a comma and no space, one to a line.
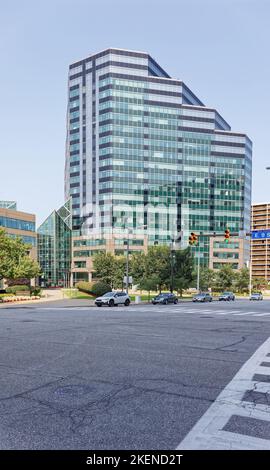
(19,224)
(235,253)
(84,247)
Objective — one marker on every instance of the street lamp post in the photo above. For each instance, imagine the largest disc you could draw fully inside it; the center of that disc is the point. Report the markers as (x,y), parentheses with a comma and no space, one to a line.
(127,261)
(172,265)
(129,230)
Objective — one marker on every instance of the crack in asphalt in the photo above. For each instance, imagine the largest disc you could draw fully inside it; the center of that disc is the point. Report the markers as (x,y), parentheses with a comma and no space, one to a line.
(79,415)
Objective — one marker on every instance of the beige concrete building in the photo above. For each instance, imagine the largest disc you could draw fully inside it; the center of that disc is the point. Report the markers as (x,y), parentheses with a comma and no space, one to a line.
(84,247)
(234,253)
(260,245)
(20,224)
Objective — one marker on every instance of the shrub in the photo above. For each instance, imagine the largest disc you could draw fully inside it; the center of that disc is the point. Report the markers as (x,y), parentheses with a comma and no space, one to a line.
(99,288)
(15,289)
(94,288)
(84,286)
(35,290)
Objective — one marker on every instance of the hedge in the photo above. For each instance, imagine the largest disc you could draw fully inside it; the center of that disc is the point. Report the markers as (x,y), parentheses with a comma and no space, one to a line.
(94,288)
(15,289)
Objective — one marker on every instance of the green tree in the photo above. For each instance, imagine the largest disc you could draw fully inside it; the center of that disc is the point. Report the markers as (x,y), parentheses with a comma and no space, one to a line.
(157,263)
(207,278)
(110,268)
(149,283)
(242,280)
(259,283)
(225,278)
(183,264)
(138,267)
(119,271)
(27,268)
(14,258)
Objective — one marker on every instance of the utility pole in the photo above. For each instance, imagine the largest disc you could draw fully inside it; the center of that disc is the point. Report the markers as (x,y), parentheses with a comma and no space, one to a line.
(127,262)
(172,266)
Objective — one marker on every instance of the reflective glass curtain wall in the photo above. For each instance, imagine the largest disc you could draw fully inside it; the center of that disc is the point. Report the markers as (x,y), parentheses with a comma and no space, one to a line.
(54,248)
(144,153)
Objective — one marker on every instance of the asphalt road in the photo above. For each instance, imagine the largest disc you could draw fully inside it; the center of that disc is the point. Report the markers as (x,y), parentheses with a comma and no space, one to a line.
(138,377)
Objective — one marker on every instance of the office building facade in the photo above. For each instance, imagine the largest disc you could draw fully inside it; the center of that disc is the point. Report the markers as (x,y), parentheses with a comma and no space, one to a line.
(54,248)
(235,253)
(145,155)
(260,241)
(19,224)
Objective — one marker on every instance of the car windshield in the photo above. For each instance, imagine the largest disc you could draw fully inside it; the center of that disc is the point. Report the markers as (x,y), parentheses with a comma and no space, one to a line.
(161,295)
(226,293)
(200,295)
(256,293)
(108,294)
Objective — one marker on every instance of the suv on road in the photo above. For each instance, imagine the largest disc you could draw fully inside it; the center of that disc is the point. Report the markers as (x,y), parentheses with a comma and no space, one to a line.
(227,296)
(166,298)
(256,296)
(113,298)
(203,297)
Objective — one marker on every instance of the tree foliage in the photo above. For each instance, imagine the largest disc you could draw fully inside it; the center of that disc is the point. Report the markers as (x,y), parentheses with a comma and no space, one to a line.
(14,259)
(153,269)
(109,268)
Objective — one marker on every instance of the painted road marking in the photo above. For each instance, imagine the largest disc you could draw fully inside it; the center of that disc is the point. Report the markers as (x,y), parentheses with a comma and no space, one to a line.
(215,429)
(245,313)
(261,314)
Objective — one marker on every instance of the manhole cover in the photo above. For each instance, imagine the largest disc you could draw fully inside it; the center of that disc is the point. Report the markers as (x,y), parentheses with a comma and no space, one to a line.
(205,317)
(27,321)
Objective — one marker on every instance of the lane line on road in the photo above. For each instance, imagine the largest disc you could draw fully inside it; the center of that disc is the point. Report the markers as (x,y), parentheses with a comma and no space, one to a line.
(261,314)
(217,428)
(244,313)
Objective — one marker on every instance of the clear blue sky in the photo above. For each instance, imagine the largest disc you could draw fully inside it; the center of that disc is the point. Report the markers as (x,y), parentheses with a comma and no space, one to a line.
(220,48)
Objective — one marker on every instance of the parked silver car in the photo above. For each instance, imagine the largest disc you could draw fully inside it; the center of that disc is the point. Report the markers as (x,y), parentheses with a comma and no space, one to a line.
(113,298)
(256,296)
(203,297)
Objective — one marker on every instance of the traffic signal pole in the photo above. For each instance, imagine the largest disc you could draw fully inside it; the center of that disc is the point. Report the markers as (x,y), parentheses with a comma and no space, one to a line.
(198,273)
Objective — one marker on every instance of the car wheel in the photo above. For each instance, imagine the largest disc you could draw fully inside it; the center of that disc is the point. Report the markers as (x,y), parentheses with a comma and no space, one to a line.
(127,302)
(98,305)
(111,303)
(176,301)
(165,302)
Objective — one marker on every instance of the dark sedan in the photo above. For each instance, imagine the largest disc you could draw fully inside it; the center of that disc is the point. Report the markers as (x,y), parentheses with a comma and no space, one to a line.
(165,299)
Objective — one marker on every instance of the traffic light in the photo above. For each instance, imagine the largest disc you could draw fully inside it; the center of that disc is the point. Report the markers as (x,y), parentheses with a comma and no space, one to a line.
(227,235)
(193,239)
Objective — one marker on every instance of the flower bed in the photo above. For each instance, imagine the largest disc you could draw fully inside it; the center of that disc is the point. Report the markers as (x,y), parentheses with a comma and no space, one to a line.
(19,298)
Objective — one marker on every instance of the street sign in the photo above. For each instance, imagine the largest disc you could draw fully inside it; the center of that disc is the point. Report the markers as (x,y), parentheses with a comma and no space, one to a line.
(130,280)
(259,234)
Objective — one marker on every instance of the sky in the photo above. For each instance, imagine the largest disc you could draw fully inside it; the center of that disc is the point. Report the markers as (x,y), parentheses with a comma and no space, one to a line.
(219,48)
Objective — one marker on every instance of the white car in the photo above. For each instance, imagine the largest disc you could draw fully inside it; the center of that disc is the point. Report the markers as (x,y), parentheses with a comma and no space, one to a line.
(256,296)
(113,298)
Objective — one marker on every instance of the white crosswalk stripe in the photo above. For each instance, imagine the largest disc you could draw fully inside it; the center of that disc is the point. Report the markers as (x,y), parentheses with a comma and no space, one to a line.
(229,422)
(181,308)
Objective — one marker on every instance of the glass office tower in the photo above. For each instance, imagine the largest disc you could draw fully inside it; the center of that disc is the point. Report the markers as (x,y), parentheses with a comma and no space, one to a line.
(54,247)
(144,154)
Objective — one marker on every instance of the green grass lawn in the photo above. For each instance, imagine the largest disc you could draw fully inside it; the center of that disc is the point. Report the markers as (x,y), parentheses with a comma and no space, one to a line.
(75,294)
